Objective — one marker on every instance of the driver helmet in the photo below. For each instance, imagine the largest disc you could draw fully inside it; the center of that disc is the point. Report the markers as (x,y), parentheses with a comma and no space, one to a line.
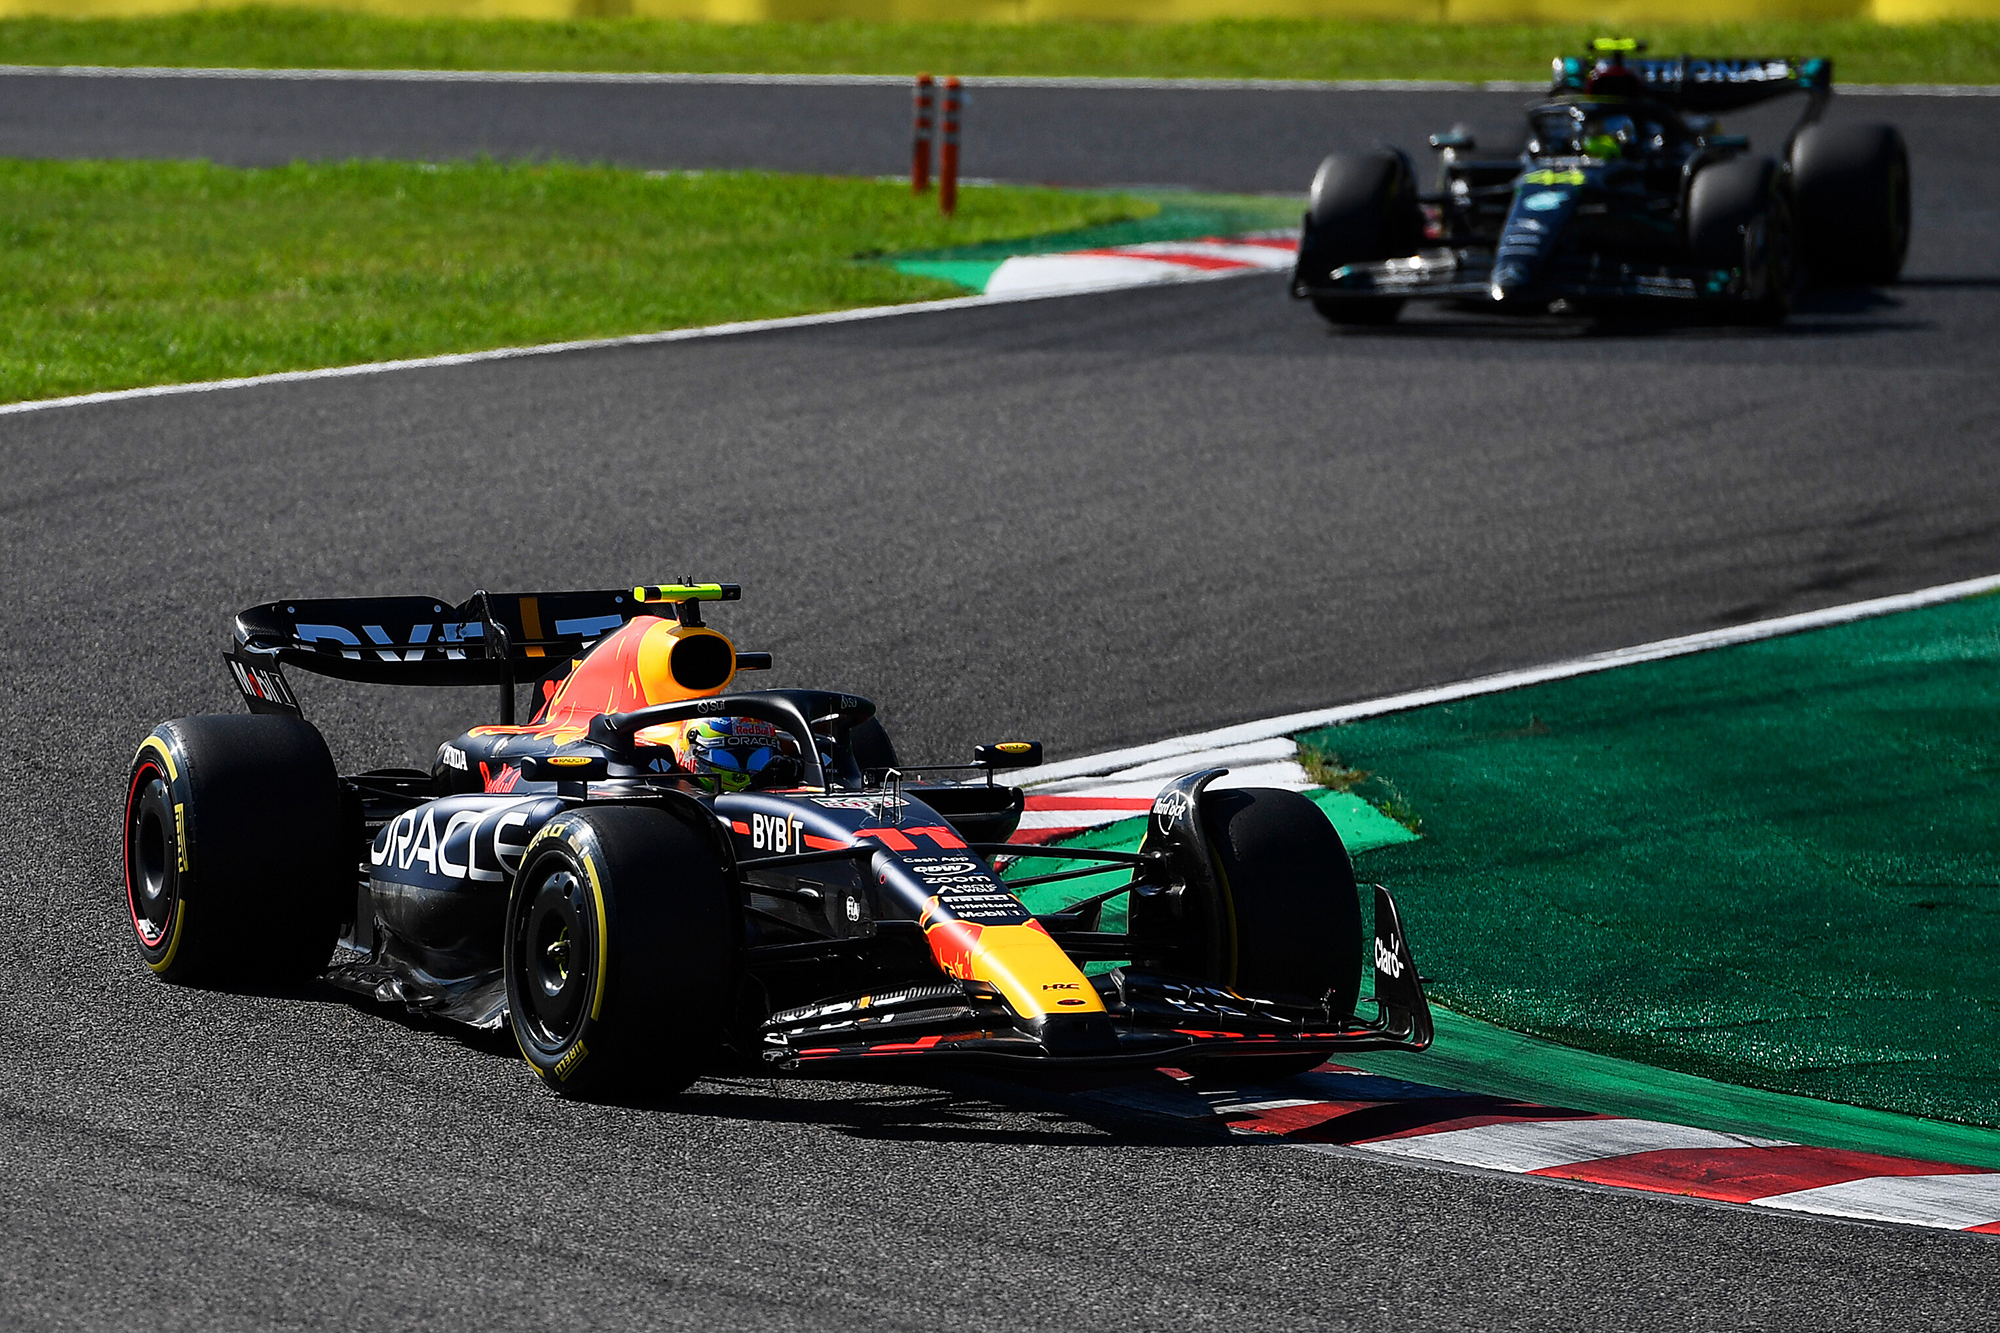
(1611,137)
(740,753)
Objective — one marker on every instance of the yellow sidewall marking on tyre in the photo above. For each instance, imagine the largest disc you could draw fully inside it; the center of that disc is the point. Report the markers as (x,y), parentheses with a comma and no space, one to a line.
(173,939)
(603,935)
(566,1066)
(159,747)
(1228,919)
(166,756)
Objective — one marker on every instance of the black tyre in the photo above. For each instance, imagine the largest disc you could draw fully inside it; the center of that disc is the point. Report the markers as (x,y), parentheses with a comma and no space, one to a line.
(1851,190)
(1364,207)
(237,862)
(1288,926)
(1358,311)
(1294,910)
(1739,218)
(622,954)
(871,747)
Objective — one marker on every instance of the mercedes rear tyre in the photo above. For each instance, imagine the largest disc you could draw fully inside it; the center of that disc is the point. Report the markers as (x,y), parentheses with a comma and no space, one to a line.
(621,953)
(1851,189)
(1740,220)
(1289,924)
(1364,208)
(237,861)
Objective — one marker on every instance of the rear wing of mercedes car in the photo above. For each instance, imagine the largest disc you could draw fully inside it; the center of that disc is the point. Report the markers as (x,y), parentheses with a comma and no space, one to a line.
(1709,85)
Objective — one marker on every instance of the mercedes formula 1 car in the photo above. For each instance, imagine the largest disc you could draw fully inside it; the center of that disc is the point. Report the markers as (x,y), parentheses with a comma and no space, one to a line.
(1622,192)
(656,874)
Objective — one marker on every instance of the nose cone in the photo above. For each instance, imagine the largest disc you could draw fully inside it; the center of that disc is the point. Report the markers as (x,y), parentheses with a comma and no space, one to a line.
(1543,203)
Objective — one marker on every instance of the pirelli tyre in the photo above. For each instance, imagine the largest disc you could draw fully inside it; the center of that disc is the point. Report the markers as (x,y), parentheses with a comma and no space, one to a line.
(872,749)
(621,953)
(1288,925)
(236,859)
(1851,187)
(1739,217)
(1364,207)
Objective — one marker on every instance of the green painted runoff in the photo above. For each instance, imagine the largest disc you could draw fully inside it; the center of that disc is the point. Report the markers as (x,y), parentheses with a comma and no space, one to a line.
(1772,865)
(1181,216)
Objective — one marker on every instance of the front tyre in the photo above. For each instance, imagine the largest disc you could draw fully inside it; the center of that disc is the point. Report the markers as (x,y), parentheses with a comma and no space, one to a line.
(1287,925)
(1364,207)
(1739,219)
(621,953)
(236,855)
(1353,311)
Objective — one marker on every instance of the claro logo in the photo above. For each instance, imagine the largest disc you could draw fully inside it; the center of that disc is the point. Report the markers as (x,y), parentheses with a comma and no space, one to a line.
(1388,957)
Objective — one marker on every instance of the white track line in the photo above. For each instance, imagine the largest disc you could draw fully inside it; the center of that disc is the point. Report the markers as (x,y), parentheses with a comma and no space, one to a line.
(1291,723)
(887,80)
(1150,272)
(538,349)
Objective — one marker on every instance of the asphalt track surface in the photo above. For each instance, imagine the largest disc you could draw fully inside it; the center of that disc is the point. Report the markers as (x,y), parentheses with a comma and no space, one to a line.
(1213,138)
(1098,520)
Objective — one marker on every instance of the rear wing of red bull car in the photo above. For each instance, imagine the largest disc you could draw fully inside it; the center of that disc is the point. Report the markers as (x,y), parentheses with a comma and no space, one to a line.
(497,639)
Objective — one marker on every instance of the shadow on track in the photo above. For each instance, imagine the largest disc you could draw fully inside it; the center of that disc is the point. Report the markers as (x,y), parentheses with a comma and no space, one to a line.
(1472,327)
(946,1110)
(941,1108)
(1875,304)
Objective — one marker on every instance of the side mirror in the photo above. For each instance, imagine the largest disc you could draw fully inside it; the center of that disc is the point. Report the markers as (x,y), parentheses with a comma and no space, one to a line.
(1008,754)
(573,766)
(1456,137)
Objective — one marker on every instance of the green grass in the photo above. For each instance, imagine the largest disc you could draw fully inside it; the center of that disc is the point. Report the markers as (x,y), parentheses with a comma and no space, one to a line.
(1958,52)
(1773,865)
(117,274)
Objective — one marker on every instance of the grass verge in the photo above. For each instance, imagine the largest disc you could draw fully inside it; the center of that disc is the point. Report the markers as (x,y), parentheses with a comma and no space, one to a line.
(119,274)
(1863,52)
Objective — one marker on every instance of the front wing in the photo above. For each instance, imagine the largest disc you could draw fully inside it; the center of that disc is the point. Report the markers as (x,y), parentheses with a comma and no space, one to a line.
(1153,1020)
(1463,275)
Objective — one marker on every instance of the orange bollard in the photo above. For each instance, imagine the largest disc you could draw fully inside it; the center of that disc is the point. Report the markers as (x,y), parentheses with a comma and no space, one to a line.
(920,152)
(954,101)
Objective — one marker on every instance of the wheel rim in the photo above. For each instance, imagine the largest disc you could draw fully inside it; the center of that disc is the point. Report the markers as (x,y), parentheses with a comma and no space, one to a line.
(553,962)
(151,879)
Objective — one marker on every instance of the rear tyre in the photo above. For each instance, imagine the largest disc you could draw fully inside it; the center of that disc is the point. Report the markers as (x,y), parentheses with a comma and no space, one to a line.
(621,954)
(871,747)
(1851,186)
(1289,923)
(236,860)
(1364,208)
(1739,218)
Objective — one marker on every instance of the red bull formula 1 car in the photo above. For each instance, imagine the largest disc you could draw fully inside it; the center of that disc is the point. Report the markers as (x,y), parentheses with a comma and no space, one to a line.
(657,874)
(1622,192)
